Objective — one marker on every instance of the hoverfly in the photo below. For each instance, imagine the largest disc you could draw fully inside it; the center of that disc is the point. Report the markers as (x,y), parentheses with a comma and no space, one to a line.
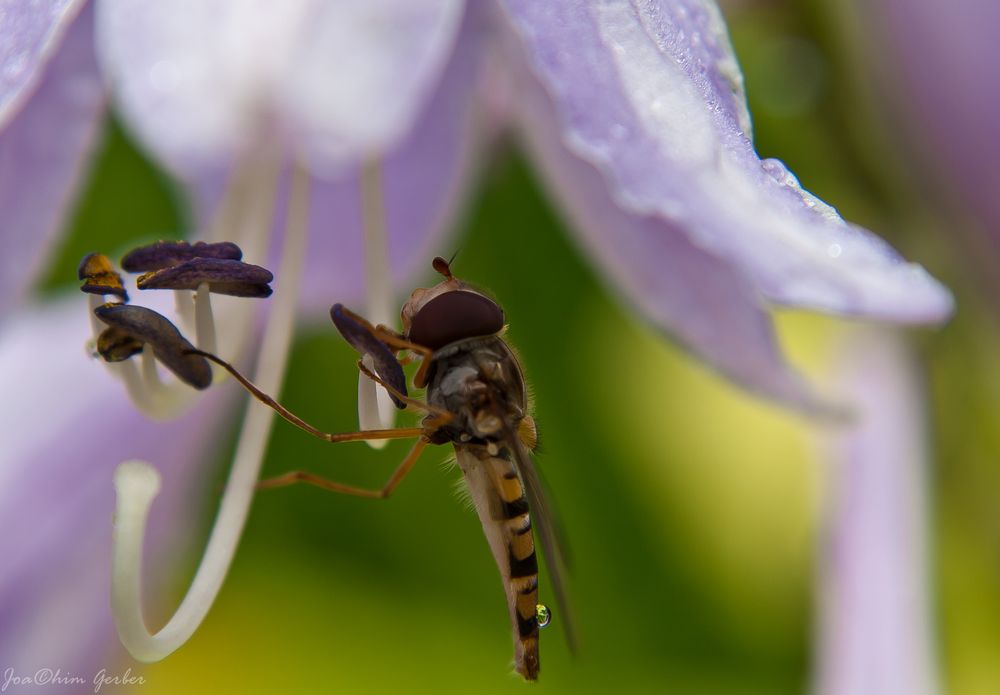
(475,400)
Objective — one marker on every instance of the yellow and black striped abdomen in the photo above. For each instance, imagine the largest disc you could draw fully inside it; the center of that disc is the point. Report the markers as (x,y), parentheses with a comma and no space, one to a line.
(498,493)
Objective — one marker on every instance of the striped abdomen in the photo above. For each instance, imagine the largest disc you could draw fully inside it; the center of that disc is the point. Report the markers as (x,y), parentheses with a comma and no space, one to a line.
(499,496)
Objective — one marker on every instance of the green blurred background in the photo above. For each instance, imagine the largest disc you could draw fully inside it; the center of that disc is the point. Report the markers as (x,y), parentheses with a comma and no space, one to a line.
(692,510)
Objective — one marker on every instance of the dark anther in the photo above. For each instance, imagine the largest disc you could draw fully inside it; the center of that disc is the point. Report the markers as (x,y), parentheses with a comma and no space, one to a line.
(117,345)
(148,327)
(100,277)
(362,340)
(164,254)
(224,276)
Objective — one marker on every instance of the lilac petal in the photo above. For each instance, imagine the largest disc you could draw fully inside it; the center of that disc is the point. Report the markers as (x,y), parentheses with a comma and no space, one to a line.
(425,178)
(706,305)
(937,65)
(362,72)
(43,151)
(198,80)
(650,95)
(72,425)
(875,634)
(32,32)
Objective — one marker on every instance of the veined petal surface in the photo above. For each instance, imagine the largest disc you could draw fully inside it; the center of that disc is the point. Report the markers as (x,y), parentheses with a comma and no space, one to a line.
(649,93)
(32,32)
(43,153)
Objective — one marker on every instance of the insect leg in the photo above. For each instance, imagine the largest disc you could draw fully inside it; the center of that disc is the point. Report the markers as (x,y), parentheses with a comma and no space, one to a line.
(443,416)
(397,476)
(397,433)
(394,340)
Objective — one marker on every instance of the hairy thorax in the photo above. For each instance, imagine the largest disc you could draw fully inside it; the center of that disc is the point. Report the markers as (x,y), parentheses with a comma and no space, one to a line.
(480,382)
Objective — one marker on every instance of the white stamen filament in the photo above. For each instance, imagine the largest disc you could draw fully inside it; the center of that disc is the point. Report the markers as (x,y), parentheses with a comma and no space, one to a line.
(95,301)
(248,206)
(159,400)
(150,377)
(136,491)
(135,384)
(369,416)
(204,320)
(184,306)
(375,407)
(245,217)
(205,327)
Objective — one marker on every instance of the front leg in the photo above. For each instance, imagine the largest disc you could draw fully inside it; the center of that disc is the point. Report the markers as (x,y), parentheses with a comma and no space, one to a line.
(442,416)
(395,340)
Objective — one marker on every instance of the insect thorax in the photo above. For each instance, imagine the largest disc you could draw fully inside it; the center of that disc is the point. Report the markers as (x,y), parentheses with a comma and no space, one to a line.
(480,381)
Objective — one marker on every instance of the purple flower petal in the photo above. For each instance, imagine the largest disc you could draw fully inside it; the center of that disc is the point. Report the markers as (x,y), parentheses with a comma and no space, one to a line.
(425,179)
(651,95)
(362,72)
(938,65)
(874,627)
(199,80)
(72,425)
(32,32)
(43,151)
(704,303)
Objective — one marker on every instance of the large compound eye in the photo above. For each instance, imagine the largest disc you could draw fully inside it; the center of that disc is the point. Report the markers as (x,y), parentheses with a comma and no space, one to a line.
(453,316)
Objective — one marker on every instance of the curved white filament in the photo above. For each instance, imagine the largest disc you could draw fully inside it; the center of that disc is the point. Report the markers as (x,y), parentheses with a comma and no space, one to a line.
(375,407)
(136,492)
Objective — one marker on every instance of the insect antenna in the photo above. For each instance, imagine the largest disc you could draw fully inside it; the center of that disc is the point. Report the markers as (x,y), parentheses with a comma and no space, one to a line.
(444,267)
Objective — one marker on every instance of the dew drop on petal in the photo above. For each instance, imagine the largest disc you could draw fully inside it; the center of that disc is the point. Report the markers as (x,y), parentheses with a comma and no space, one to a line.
(777,170)
(834,250)
(543,614)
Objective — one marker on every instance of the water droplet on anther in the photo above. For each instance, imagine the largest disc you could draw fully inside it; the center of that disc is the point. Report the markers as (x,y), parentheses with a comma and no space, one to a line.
(543,614)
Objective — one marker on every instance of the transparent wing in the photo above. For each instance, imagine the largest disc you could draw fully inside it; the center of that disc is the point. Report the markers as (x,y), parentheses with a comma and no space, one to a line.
(543,521)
